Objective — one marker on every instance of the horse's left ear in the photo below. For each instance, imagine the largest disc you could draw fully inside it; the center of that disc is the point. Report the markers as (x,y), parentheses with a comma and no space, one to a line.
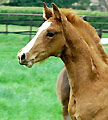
(47,13)
(56,11)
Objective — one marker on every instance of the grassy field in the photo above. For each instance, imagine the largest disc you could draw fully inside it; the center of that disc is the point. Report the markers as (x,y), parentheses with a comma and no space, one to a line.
(105,35)
(11,9)
(16,28)
(39,10)
(27,94)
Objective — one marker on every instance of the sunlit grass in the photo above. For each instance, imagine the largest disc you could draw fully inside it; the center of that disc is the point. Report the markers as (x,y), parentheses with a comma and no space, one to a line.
(105,35)
(27,94)
(16,28)
(11,9)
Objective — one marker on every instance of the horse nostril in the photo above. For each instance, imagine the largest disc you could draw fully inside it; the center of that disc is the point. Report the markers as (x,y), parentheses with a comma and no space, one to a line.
(23,57)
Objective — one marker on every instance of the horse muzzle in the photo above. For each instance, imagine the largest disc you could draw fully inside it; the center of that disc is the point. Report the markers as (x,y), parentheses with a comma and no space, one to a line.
(23,61)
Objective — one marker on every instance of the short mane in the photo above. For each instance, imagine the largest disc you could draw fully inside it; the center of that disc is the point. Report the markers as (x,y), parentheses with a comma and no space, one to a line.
(76,20)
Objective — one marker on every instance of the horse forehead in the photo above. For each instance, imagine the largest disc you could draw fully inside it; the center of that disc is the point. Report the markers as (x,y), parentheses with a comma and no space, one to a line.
(44,26)
(28,47)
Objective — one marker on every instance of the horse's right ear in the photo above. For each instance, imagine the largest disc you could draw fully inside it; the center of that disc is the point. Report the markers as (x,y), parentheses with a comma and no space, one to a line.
(47,13)
(56,11)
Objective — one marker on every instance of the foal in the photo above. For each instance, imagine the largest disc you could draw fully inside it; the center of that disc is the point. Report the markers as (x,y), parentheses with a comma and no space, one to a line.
(67,36)
(63,90)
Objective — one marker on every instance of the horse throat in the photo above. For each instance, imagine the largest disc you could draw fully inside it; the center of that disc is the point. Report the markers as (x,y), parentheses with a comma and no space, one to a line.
(79,68)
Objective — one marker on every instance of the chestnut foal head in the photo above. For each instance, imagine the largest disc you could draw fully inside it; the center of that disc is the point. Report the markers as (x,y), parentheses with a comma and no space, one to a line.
(49,40)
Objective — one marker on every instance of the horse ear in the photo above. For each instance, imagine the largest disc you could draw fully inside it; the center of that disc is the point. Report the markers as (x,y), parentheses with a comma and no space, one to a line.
(56,11)
(47,13)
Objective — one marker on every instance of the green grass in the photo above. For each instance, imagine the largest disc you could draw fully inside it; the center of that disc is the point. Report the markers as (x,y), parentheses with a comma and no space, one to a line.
(34,10)
(92,13)
(9,9)
(16,28)
(105,35)
(27,94)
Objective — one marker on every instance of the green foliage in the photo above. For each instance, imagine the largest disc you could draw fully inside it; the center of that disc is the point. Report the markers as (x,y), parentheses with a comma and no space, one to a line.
(82,4)
(60,3)
(93,7)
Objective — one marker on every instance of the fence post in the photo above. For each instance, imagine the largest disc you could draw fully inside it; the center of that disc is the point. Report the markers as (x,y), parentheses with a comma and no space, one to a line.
(100,33)
(6,24)
(30,34)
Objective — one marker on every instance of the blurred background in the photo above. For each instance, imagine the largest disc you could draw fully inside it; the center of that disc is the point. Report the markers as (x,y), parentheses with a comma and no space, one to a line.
(30,94)
(100,5)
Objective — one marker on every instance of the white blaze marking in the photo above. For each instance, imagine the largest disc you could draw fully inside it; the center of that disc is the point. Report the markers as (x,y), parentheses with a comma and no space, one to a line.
(28,47)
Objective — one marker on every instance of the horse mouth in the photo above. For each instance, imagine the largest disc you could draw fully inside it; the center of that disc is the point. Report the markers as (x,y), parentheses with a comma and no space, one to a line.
(29,64)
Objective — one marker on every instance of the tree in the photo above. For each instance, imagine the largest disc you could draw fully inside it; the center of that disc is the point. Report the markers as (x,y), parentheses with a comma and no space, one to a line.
(84,3)
(60,3)
(104,2)
(4,1)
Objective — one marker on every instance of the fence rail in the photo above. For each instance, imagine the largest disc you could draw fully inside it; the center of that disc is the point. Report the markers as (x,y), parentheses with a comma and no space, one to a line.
(21,14)
(31,32)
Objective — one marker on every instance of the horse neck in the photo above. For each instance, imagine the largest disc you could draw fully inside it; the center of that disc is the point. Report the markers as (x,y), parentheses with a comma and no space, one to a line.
(83,64)
(79,69)
(90,36)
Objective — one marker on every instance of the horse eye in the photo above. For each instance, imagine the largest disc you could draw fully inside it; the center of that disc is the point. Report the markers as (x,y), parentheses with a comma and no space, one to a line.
(50,34)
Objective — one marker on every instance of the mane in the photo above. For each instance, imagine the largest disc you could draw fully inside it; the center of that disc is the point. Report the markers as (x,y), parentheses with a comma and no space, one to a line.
(78,22)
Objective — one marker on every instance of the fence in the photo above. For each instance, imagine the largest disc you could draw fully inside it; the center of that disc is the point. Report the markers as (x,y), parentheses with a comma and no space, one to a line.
(102,26)
(30,32)
(31,20)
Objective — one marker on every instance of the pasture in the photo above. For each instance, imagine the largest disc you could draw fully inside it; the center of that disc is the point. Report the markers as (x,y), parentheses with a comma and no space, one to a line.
(27,94)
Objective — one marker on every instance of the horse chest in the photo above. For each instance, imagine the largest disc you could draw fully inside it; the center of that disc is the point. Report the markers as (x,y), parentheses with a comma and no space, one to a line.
(90,107)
